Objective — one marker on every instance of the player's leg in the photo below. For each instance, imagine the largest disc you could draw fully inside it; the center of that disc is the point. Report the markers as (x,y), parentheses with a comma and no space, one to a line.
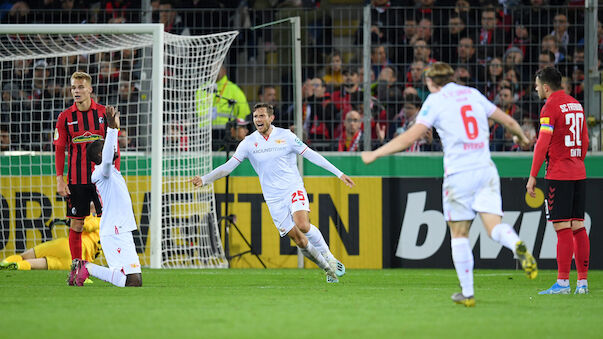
(462,258)
(558,207)
(134,280)
(309,251)
(581,241)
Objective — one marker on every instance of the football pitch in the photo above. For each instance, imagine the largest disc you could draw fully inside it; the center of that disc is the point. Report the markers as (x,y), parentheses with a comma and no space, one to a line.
(293,303)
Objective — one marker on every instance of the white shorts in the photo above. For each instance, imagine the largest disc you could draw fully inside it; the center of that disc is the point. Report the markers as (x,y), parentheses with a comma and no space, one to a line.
(282,210)
(120,252)
(466,193)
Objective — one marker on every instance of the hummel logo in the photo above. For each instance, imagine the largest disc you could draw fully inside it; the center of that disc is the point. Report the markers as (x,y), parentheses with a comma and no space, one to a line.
(72,123)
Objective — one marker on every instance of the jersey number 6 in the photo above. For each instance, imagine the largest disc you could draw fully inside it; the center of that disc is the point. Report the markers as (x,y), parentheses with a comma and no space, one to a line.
(299,195)
(469,122)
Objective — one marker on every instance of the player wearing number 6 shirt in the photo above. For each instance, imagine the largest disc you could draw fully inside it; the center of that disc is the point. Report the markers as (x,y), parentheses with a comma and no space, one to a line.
(117,223)
(471,184)
(563,141)
(272,152)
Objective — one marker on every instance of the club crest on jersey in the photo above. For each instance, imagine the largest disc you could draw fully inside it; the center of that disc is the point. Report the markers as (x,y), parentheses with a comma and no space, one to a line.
(281,141)
(86,137)
(73,211)
(256,144)
(101,120)
(56,134)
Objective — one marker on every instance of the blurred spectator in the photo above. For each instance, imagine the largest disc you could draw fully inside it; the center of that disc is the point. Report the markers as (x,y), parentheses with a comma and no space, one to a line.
(466,57)
(561,31)
(546,59)
(351,139)
(549,43)
(342,97)
(379,59)
(405,120)
(403,53)
(332,74)
(492,39)
(19,13)
(107,81)
(566,85)
(125,143)
(506,102)
(239,129)
(128,9)
(267,94)
(452,35)
(389,91)
(322,118)
(414,78)
(536,16)
(524,40)
(171,19)
(494,74)
(15,112)
(422,52)
(128,106)
(578,82)
(5,144)
(497,136)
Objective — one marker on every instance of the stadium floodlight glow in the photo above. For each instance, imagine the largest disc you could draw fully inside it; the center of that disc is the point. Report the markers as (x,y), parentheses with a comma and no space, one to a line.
(171,142)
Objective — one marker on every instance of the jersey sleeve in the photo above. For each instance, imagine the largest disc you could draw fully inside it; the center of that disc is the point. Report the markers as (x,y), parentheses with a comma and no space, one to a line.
(297,146)
(242,150)
(60,132)
(427,114)
(547,119)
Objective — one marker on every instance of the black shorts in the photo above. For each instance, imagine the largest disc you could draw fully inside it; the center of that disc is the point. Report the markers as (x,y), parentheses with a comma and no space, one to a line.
(564,200)
(78,203)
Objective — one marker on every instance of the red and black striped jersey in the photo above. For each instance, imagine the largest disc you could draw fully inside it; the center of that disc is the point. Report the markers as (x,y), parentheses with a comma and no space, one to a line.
(75,130)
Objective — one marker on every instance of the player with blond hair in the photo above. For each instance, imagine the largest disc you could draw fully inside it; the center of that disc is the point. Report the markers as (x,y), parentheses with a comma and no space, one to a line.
(471,183)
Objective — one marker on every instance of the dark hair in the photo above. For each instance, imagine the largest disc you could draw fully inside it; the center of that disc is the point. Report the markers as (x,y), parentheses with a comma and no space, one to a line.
(268,107)
(263,89)
(93,151)
(550,54)
(350,70)
(412,99)
(550,76)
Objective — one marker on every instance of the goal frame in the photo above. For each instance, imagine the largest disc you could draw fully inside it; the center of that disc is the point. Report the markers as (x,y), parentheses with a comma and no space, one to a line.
(157,31)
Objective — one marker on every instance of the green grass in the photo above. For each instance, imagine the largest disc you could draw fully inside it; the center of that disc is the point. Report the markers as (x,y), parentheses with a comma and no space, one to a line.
(291,303)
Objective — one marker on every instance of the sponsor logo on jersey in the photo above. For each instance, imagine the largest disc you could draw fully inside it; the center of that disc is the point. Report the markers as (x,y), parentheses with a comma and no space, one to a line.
(424,110)
(297,141)
(134,265)
(86,137)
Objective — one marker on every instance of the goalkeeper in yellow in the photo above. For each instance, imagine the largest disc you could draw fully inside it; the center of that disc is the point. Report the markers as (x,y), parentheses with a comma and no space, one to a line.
(55,254)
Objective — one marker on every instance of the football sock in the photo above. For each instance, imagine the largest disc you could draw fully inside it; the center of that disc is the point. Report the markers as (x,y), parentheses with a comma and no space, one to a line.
(24,265)
(462,257)
(312,253)
(317,240)
(581,252)
(75,244)
(581,282)
(14,258)
(565,251)
(113,276)
(563,282)
(505,235)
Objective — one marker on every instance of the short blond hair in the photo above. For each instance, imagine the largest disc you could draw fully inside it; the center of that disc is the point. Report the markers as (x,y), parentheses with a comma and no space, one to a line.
(440,73)
(81,76)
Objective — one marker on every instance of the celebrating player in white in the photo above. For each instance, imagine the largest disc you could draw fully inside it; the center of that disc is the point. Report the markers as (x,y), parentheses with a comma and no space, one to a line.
(272,152)
(471,183)
(117,224)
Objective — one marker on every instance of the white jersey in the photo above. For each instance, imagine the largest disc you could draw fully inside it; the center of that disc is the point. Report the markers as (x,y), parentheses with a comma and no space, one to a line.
(460,115)
(274,160)
(118,214)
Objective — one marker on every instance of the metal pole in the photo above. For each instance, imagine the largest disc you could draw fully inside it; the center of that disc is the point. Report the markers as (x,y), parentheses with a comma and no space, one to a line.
(146,11)
(297,85)
(592,78)
(366,81)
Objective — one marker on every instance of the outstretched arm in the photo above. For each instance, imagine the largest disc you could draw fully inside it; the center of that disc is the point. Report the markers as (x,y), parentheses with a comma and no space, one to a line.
(110,146)
(219,172)
(319,160)
(397,144)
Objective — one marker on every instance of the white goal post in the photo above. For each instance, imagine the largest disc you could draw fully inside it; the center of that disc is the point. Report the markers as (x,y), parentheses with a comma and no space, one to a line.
(153,76)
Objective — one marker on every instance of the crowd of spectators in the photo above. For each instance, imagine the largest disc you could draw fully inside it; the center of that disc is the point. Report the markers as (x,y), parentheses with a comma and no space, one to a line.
(495,46)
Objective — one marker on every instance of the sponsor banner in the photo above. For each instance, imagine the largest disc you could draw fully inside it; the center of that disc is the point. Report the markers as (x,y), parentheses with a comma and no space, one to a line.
(415,233)
(349,219)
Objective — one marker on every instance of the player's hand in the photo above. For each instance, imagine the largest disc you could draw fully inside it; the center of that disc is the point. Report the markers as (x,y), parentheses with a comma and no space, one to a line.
(112,117)
(524,142)
(368,157)
(347,180)
(197,181)
(530,186)
(62,187)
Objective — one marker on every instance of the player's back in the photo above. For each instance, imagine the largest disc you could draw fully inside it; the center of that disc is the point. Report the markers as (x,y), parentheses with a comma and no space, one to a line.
(564,116)
(460,115)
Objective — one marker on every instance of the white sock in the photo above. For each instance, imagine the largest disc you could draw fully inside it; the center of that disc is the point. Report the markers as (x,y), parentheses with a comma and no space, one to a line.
(582,282)
(505,235)
(563,282)
(113,276)
(312,253)
(315,237)
(462,257)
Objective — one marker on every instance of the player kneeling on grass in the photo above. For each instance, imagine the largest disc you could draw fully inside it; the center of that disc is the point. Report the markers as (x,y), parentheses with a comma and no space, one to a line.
(471,184)
(117,222)
(55,254)
(272,152)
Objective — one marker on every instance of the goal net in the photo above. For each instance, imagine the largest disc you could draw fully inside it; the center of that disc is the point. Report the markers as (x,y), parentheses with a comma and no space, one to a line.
(152,78)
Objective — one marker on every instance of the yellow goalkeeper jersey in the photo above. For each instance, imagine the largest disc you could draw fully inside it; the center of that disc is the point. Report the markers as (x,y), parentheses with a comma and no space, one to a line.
(90,238)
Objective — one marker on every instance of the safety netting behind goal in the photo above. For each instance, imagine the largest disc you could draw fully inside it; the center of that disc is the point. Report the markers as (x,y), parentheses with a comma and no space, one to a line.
(35,71)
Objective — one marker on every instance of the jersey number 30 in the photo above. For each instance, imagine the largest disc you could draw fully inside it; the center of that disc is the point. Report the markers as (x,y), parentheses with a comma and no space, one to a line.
(469,122)
(575,121)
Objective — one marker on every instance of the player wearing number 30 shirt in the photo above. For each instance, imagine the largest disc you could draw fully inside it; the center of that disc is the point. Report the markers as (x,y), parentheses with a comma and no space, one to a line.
(272,152)
(471,183)
(563,141)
